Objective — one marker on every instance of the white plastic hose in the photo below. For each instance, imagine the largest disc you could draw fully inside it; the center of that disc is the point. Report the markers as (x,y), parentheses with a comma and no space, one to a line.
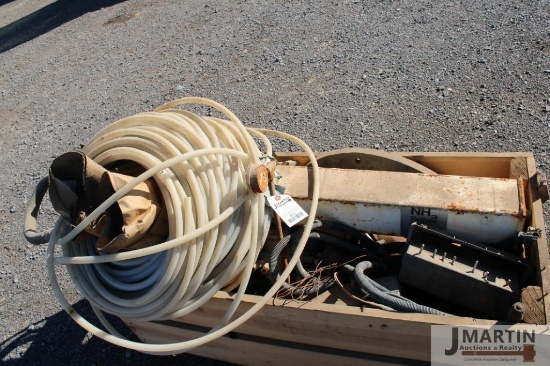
(217,226)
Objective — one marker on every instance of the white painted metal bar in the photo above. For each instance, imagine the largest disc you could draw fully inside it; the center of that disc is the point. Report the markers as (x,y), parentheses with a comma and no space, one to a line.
(481,209)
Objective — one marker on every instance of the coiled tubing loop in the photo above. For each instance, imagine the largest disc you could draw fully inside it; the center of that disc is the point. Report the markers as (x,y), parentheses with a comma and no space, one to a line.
(217,226)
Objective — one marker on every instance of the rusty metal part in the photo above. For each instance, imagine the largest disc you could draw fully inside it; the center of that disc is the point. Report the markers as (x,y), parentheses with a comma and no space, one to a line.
(271,165)
(258,178)
(481,209)
(530,236)
(369,159)
(277,217)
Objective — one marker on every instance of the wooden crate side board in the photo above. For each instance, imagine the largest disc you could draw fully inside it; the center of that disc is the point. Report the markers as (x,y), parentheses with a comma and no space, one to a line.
(493,165)
(542,251)
(345,327)
(300,158)
(245,350)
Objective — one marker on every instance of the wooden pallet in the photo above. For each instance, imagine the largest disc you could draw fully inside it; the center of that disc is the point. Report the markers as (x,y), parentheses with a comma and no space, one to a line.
(328,331)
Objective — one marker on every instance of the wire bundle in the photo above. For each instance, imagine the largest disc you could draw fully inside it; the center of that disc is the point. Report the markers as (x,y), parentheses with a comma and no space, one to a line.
(217,226)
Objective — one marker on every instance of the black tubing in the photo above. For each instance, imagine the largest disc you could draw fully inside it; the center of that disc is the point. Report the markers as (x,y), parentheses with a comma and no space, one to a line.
(326,239)
(299,266)
(291,239)
(377,252)
(32,213)
(273,275)
(381,294)
(374,249)
(335,241)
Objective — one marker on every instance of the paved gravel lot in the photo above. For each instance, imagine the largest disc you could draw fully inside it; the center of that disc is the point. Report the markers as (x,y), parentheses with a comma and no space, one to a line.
(393,75)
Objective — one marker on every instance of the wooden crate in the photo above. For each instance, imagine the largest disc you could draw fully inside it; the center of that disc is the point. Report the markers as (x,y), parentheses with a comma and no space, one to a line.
(327,330)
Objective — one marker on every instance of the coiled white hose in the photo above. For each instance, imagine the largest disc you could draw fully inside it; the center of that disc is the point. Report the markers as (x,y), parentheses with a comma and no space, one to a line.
(217,226)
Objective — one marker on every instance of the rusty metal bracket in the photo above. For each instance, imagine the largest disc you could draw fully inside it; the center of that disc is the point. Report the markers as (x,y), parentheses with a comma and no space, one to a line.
(530,236)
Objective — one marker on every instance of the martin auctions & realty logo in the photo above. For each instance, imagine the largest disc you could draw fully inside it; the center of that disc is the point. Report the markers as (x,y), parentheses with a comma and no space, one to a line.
(490,345)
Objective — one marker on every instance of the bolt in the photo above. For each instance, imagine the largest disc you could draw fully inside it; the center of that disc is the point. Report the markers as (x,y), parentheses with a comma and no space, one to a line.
(271,169)
(421,249)
(475,266)
(444,256)
(435,253)
(454,259)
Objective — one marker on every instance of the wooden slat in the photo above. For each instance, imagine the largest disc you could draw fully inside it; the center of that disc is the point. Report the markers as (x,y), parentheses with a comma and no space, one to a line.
(541,255)
(245,350)
(301,159)
(336,326)
(531,297)
(492,165)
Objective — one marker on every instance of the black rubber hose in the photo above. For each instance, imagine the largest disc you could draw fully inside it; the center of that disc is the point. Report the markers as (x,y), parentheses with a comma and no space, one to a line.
(338,242)
(382,295)
(377,252)
(273,275)
(326,239)
(292,239)
(299,266)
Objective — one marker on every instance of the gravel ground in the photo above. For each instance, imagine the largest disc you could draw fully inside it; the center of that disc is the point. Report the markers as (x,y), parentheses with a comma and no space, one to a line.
(392,75)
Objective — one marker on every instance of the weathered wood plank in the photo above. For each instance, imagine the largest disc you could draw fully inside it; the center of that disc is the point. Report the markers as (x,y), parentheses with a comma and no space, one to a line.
(343,327)
(541,255)
(249,350)
(531,297)
(494,165)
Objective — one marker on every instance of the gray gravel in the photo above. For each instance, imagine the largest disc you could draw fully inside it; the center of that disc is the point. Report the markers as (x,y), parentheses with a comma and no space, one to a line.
(393,75)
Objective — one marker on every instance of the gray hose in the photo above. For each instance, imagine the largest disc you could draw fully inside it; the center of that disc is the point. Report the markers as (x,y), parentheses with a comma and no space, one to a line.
(291,240)
(382,295)
(283,243)
(32,213)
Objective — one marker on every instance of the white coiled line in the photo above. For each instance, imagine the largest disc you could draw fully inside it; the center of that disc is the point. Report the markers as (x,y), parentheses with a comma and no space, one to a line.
(217,226)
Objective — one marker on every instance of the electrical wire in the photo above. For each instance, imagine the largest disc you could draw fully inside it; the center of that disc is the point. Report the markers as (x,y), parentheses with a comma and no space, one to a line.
(217,226)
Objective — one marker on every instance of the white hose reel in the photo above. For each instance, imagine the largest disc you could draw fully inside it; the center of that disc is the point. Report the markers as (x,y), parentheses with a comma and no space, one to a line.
(217,224)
